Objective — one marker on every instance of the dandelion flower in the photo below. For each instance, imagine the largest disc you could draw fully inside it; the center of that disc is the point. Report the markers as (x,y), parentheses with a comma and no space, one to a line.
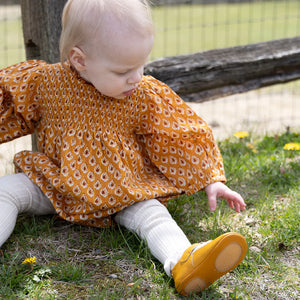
(252,147)
(29,260)
(241,134)
(292,146)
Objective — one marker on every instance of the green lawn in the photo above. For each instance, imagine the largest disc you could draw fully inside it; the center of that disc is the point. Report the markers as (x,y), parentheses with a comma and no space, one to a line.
(77,262)
(188,29)
(11,42)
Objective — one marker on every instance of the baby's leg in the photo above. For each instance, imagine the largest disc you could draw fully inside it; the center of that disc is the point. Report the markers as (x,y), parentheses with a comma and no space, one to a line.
(153,223)
(193,267)
(19,195)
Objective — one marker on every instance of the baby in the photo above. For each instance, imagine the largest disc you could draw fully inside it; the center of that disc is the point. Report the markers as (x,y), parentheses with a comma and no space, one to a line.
(113,145)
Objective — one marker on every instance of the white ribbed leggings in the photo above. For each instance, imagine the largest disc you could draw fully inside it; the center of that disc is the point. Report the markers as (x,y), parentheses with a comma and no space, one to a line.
(149,219)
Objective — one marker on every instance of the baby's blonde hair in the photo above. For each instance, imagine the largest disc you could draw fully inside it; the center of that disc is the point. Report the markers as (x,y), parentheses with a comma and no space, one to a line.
(82,20)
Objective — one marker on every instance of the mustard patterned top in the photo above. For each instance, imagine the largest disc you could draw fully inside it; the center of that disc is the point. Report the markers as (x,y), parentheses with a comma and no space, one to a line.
(98,155)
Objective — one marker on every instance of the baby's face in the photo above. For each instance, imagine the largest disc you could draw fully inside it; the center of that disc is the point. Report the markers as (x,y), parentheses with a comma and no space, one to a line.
(116,67)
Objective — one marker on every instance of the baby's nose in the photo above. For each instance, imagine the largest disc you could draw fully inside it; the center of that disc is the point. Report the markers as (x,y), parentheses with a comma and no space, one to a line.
(136,76)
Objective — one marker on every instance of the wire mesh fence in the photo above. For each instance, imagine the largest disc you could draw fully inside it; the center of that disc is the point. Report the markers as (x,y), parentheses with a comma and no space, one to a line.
(187,26)
(184,27)
(195,25)
(11,38)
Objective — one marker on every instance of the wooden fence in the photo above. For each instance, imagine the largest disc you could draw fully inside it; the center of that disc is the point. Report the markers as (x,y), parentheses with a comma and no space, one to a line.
(217,73)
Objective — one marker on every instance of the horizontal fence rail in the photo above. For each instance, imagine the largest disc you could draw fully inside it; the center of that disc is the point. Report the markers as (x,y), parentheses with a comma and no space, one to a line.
(217,73)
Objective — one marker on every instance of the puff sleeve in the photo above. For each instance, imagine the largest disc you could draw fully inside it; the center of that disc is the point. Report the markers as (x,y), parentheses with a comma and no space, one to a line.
(178,141)
(19,99)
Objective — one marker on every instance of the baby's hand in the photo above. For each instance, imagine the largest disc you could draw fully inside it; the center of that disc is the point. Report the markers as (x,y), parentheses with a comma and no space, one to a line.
(220,190)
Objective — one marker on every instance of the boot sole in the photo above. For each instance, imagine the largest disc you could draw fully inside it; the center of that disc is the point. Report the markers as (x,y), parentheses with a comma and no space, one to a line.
(221,259)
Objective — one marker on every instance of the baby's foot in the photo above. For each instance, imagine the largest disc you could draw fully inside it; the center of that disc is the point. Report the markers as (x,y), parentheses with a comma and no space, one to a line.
(201,265)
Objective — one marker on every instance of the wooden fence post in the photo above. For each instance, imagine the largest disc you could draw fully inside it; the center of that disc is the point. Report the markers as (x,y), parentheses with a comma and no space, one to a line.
(41,30)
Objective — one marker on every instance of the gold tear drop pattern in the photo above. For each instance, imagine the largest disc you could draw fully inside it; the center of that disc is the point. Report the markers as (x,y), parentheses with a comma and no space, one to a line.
(99,155)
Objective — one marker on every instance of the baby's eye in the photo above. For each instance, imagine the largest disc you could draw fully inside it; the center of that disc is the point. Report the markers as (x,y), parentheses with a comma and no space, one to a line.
(121,73)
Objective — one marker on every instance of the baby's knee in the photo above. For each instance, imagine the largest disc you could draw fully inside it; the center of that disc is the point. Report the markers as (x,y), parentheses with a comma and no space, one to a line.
(9,190)
(25,195)
(8,184)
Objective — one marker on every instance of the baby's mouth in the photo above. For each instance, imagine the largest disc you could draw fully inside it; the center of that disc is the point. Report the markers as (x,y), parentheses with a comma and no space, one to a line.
(129,92)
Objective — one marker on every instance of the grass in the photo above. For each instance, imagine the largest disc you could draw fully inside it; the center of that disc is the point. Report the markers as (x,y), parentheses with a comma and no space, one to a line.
(194,28)
(77,262)
(11,41)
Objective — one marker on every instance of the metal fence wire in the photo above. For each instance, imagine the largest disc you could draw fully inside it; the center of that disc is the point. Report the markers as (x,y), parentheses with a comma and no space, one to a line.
(185,26)
(188,26)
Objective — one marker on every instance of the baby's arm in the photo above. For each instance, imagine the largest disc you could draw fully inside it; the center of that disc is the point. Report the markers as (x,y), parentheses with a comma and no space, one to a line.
(19,99)
(218,189)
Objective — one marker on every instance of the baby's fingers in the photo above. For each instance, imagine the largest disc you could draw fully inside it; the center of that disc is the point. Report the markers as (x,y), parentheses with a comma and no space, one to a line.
(231,204)
(239,205)
(234,205)
(212,202)
(235,201)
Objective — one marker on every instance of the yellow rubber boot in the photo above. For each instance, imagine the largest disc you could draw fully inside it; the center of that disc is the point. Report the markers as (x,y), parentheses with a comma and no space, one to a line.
(200,266)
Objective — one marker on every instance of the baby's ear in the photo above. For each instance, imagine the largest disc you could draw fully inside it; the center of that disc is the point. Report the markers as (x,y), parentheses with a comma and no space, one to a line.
(77,59)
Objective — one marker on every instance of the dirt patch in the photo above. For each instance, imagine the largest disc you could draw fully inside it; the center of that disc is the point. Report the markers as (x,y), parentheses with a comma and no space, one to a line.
(254,111)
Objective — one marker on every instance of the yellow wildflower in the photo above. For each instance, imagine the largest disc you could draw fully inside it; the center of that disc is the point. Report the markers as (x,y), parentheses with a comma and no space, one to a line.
(292,146)
(252,147)
(241,134)
(29,260)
